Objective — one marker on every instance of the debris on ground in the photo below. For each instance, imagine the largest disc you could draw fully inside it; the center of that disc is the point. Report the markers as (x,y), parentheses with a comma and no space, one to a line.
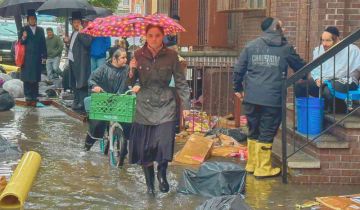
(3,183)
(227,202)
(199,122)
(307,204)
(182,137)
(196,150)
(213,179)
(341,202)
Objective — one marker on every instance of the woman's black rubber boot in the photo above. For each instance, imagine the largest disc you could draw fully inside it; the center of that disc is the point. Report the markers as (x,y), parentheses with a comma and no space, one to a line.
(150,178)
(161,176)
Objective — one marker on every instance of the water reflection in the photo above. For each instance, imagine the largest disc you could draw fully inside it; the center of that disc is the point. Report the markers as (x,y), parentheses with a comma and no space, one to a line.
(71,179)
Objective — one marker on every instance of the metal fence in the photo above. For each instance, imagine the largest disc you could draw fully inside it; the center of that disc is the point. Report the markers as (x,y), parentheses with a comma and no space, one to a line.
(212,93)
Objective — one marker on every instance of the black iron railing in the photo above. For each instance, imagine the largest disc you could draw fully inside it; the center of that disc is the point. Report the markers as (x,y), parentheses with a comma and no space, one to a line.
(287,82)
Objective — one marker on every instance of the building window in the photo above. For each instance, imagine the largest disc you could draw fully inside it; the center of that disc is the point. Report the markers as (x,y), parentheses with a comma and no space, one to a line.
(163,7)
(230,21)
(126,2)
(203,22)
(257,4)
(174,7)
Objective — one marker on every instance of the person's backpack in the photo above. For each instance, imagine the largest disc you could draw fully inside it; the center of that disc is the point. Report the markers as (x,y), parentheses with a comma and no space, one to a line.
(6,100)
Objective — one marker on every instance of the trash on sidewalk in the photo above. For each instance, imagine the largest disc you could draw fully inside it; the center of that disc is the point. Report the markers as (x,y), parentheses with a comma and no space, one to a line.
(226,145)
(227,202)
(243,154)
(3,183)
(243,121)
(6,100)
(213,179)
(225,123)
(341,202)
(307,204)
(196,150)
(237,134)
(182,137)
(199,121)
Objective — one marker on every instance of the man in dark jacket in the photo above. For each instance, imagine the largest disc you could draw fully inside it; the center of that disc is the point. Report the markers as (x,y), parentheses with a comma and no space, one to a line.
(110,78)
(79,61)
(263,62)
(33,37)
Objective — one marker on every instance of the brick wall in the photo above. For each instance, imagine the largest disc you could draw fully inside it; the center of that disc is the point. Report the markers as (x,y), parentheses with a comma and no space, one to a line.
(249,27)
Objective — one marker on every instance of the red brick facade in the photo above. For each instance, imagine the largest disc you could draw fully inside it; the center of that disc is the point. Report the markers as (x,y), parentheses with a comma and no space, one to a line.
(304,21)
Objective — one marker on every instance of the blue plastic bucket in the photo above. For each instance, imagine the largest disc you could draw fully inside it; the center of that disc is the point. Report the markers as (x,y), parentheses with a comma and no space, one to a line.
(87,102)
(313,115)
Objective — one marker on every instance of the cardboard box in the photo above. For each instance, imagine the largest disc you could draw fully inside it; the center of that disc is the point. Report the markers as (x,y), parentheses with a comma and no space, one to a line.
(196,150)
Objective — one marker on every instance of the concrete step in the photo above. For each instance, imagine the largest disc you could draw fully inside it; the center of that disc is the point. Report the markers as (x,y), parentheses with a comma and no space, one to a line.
(300,160)
(325,141)
(352,121)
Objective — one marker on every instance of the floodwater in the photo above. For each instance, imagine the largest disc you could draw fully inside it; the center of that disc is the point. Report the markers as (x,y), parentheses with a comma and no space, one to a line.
(71,179)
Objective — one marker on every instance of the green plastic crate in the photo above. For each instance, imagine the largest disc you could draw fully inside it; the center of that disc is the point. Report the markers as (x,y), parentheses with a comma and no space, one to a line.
(112,107)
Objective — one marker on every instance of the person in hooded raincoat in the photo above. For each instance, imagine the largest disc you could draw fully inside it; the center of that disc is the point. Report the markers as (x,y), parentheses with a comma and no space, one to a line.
(152,137)
(33,37)
(263,62)
(111,78)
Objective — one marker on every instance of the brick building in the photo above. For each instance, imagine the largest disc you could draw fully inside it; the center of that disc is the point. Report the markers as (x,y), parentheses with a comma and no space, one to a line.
(217,30)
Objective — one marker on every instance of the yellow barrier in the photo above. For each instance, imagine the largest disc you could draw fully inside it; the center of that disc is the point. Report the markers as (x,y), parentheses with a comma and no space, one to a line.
(9,68)
(17,189)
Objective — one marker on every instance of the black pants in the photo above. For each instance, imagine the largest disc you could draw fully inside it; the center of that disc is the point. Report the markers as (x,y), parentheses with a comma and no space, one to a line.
(263,122)
(31,90)
(79,93)
(300,90)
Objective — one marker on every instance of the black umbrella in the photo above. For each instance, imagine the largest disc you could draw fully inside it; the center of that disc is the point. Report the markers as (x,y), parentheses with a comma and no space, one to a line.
(18,7)
(100,12)
(64,8)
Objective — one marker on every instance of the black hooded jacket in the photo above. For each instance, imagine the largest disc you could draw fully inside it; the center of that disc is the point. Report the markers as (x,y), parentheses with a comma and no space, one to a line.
(110,78)
(263,62)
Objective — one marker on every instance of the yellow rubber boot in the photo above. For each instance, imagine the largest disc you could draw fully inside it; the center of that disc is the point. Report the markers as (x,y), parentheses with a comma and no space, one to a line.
(263,167)
(250,166)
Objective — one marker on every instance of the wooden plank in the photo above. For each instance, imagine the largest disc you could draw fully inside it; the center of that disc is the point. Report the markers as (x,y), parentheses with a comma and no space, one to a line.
(72,113)
(22,102)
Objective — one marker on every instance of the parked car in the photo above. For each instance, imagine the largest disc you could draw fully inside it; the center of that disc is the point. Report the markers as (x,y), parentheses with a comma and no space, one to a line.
(8,38)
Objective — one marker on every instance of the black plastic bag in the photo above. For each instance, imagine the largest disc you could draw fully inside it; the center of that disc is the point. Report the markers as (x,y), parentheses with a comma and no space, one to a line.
(228,202)
(6,100)
(237,134)
(213,179)
(15,75)
(2,69)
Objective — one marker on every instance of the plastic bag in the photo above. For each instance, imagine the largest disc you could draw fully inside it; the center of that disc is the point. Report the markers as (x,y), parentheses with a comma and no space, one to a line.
(15,87)
(213,179)
(237,134)
(19,54)
(6,100)
(232,202)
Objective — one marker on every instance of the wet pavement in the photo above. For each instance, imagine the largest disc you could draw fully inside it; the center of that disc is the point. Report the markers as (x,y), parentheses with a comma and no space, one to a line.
(71,179)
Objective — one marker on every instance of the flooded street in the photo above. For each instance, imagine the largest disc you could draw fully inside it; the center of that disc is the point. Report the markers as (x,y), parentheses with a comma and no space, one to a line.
(71,179)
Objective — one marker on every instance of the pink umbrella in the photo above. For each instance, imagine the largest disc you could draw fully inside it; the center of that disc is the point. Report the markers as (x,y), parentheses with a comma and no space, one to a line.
(130,25)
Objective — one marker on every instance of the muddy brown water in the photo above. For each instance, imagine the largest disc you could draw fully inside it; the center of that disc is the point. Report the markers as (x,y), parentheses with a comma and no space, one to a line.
(71,179)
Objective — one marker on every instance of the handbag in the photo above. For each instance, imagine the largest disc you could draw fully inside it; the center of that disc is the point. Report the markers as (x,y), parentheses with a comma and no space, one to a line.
(19,53)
